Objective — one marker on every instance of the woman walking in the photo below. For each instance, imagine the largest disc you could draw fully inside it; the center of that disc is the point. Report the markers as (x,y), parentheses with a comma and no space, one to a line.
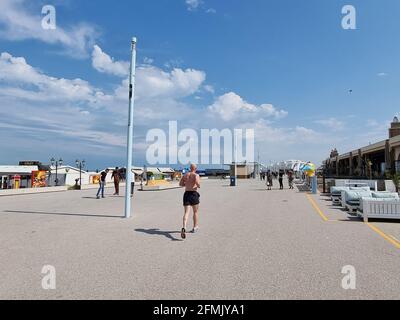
(290,179)
(269,180)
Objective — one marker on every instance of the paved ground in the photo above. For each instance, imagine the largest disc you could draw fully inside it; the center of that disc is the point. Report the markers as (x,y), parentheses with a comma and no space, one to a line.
(253,244)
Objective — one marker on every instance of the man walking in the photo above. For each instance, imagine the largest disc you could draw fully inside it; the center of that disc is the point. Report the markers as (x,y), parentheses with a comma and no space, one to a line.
(102,184)
(281,173)
(116,175)
(191,199)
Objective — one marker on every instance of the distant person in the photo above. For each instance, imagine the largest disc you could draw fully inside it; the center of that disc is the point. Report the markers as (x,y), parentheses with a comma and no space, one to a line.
(191,198)
(102,183)
(290,179)
(116,176)
(281,173)
(269,180)
(132,187)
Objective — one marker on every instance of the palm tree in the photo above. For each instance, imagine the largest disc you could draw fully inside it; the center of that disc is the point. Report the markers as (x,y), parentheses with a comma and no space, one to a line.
(396,181)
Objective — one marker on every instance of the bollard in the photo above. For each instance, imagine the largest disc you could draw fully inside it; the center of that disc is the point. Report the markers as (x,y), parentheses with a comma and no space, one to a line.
(132,188)
(314,184)
(365,214)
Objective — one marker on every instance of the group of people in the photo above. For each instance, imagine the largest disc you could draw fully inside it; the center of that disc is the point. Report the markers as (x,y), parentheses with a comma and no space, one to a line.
(191,197)
(116,176)
(270,176)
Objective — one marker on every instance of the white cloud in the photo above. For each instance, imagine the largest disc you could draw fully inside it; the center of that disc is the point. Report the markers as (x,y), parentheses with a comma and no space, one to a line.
(331,123)
(48,105)
(68,112)
(73,109)
(154,82)
(151,81)
(289,142)
(266,133)
(157,91)
(158,94)
(209,88)
(305,134)
(193,5)
(24,81)
(231,106)
(373,123)
(102,62)
(17,23)
(147,60)
(57,121)
(174,63)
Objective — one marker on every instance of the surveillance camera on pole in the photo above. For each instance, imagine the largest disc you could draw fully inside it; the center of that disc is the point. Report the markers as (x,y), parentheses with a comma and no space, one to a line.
(130,130)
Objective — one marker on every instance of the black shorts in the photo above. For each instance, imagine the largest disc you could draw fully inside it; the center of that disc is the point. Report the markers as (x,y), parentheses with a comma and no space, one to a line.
(191,198)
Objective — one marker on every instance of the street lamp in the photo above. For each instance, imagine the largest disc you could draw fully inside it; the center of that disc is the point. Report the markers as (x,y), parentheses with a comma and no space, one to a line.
(80,164)
(129,156)
(236,158)
(56,163)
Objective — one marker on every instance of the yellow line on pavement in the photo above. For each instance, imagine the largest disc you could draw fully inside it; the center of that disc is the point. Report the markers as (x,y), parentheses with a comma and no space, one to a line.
(384,235)
(317,208)
(388,238)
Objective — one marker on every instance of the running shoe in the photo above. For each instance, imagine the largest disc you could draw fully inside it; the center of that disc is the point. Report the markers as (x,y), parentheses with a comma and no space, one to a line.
(195,230)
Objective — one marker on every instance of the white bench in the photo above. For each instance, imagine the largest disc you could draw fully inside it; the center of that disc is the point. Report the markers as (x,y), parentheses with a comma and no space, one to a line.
(337,192)
(373,184)
(379,209)
(351,199)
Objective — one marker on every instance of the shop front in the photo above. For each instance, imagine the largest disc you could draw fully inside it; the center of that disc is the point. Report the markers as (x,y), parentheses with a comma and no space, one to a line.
(16,177)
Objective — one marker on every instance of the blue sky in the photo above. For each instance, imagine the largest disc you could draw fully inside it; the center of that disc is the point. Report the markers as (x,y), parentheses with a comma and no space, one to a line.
(197,59)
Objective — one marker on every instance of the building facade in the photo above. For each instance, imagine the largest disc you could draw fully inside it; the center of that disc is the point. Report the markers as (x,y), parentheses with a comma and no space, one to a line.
(373,161)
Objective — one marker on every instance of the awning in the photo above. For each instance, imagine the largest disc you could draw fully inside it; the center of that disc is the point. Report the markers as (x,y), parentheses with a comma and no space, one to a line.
(21,170)
(138,172)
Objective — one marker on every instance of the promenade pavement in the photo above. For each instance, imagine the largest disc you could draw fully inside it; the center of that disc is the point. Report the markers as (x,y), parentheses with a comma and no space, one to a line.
(252,244)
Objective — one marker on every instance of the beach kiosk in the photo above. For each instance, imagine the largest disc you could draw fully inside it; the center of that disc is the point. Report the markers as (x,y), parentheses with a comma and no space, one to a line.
(16,181)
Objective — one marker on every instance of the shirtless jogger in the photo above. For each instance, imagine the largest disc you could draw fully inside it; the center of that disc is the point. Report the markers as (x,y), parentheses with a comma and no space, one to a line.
(191,198)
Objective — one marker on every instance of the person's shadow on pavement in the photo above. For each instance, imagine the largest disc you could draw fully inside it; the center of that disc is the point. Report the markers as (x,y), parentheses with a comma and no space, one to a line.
(158,232)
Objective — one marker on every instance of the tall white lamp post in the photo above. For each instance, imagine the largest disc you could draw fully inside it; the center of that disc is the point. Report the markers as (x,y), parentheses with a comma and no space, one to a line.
(236,158)
(130,130)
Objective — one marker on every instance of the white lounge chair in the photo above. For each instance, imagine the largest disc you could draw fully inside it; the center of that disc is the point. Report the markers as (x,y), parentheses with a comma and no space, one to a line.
(337,192)
(383,208)
(351,199)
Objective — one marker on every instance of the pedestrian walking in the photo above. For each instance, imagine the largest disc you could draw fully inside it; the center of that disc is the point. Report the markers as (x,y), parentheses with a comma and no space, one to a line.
(281,174)
(290,179)
(269,180)
(102,184)
(191,199)
(116,176)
